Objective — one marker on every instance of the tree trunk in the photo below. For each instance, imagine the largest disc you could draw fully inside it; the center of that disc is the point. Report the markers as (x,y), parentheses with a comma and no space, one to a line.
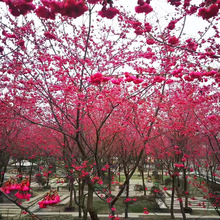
(148,173)
(127,196)
(162,179)
(182,209)
(80,198)
(91,210)
(119,176)
(109,179)
(143,182)
(199,175)
(207,176)
(20,171)
(185,188)
(172,198)
(180,199)
(71,193)
(211,173)
(2,175)
(30,173)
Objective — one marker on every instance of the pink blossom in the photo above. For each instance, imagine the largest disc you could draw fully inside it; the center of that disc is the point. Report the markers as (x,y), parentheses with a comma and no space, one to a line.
(171,25)
(191,44)
(8,35)
(72,8)
(116,81)
(108,13)
(193,9)
(173,40)
(145,211)
(159,79)
(211,117)
(210,12)
(44,12)
(20,7)
(169,81)
(179,165)
(50,35)
(144,8)
(127,200)
(175,2)
(138,81)
(25,188)
(148,27)
(150,41)
(93,1)
(109,200)
(98,78)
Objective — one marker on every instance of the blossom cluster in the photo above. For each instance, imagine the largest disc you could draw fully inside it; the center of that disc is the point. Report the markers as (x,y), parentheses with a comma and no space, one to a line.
(98,78)
(209,12)
(129,200)
(69,8)
(23,188)
(19,7)
(50,198)
(108,12)
(143,7)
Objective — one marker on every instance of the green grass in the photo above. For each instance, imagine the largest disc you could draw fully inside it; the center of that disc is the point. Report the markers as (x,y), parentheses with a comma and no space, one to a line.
(136,207)
(136,176)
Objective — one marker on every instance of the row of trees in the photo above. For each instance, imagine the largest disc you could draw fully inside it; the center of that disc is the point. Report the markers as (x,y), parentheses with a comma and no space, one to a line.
(92,89)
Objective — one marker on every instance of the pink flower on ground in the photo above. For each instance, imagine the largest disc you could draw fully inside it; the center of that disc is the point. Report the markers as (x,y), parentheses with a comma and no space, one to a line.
(145,211)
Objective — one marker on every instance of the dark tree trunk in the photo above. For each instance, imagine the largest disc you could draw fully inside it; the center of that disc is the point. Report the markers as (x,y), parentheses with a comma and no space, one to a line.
(30,173)
(109,179)
(119,176)
(185,188)
(162,179)
(199,175)
(127,196)
(148,172)
(172,198)
(71,193)
(180,199)
(91,210)
(143,182)
(80,193)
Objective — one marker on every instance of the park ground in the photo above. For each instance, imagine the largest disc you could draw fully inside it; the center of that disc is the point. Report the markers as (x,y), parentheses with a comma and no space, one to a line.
(158,208)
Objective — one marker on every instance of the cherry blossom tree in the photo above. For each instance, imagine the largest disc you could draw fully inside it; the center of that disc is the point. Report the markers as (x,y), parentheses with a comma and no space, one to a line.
(74,67)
